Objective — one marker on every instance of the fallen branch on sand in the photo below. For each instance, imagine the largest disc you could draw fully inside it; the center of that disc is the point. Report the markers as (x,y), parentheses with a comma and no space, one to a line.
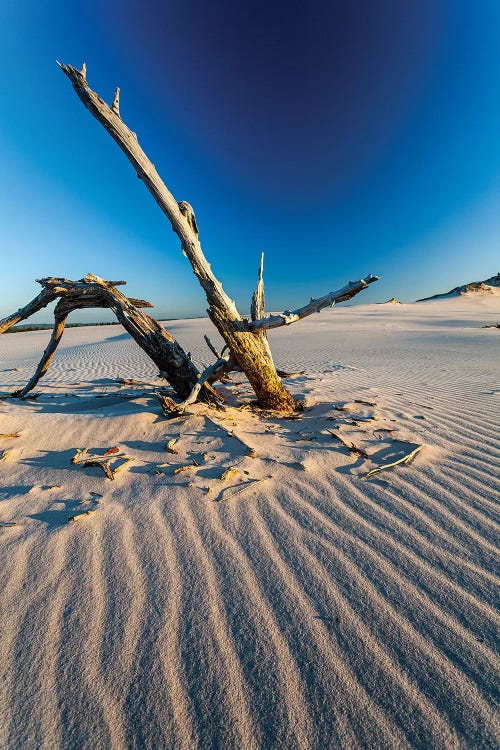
(226,494)
(93,292)
(186,467)
(347,443)
(102,462)
(285,374)
(404,460)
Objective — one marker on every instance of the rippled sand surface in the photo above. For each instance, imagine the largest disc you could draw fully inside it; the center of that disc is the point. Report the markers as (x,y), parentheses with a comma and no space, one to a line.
(313,608)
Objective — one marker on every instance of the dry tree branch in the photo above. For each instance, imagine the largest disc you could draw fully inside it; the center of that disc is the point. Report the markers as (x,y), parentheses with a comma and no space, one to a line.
(212,348)
(348,443)
(250,351)
(92,291)
(43,299)
(48,355)
(146,170)
(258,300)
(210,375)
(315,305)
(213,373)
(247,341)
(404,460)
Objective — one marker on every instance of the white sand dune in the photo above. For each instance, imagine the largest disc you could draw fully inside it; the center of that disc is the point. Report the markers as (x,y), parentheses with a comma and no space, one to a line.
(313,609)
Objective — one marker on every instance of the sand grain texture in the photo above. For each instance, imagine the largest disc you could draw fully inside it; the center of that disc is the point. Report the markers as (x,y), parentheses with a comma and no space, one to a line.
(314,609)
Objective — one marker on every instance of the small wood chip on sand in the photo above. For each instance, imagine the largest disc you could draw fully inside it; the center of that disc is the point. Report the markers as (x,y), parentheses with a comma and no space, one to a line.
(10,434)
(170,446)
(229,473)
(111,451)
(185,467)
(79,516)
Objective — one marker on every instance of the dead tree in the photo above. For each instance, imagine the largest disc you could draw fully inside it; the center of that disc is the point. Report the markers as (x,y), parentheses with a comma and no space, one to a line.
(246,341)
(172,361)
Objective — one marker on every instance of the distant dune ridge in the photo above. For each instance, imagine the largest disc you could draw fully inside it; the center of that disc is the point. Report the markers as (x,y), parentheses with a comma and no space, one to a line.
(488,286)
(243,583)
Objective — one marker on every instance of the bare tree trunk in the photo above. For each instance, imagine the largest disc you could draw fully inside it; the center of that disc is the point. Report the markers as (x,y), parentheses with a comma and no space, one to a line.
(172,361)
(249,349)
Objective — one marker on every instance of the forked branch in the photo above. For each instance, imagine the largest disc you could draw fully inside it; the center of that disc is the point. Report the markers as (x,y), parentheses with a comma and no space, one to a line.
(213,373)
(247,341)
(250,351)
(172,361)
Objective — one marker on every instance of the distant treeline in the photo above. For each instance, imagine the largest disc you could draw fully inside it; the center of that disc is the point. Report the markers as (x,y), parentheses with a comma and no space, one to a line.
(48,326)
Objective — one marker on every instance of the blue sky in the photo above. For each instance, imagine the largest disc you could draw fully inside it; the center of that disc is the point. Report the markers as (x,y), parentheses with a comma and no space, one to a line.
(341,138)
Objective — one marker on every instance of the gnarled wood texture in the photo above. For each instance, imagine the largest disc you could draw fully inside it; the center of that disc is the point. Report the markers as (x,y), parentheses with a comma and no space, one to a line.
(258,300)
(249,349)
(172,361)
(314,305)
(48,355)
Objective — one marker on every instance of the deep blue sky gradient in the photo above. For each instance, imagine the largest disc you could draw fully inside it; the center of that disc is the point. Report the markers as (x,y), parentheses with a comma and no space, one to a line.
(341,138)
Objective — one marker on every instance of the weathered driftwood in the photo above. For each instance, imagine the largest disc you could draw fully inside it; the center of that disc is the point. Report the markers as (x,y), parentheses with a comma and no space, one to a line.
(229,473)
(79,516)
(43,299)
(249,349)
(352,447)
(315,305)
(215,372)
(110,464)
(404,460)
(246,341)
(170,446)
(212,348)
(258,300)
(168,405)
(172,361)
(48,355)
(226,493)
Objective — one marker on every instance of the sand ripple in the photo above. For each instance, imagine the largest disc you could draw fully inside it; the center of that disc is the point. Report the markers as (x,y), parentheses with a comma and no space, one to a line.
(315,611)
